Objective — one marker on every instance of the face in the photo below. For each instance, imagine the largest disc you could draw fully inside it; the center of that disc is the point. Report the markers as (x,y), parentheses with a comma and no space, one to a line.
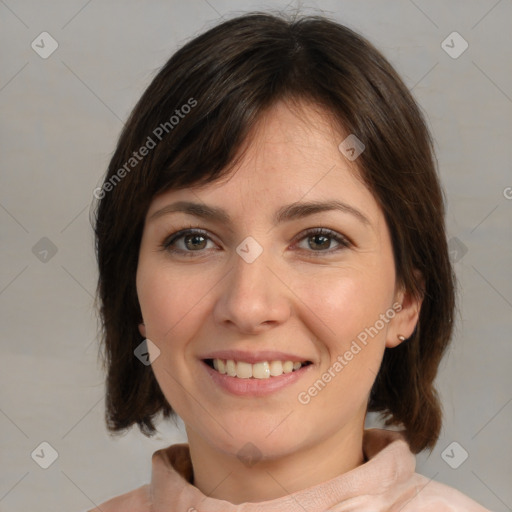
(252,280)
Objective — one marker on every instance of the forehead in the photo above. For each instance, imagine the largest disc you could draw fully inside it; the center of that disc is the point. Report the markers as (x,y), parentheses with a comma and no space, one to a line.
(290,155)
(295,140)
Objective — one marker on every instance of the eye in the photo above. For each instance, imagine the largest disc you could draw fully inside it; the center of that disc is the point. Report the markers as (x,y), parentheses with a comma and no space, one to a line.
(187,241)
(320,240)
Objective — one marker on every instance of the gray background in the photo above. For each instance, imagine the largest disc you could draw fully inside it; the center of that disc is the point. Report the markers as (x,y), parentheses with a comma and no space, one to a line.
(60,119)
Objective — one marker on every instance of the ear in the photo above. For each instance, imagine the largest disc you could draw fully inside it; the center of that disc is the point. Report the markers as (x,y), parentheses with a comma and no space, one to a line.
(142,330)
(407,316)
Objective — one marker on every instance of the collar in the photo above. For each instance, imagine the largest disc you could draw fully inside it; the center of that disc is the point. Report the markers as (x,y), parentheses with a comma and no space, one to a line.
(389,462)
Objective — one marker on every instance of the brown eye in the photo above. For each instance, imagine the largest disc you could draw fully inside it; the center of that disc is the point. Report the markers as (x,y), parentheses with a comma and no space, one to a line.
(187,241)
(321,240)
(317,242)
(194,242)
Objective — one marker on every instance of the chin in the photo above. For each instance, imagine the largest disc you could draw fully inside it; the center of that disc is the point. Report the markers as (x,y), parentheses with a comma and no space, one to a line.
(258,443)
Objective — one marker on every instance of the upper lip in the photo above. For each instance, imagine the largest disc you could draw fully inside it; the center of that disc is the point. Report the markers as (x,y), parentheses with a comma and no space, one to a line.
(254,356)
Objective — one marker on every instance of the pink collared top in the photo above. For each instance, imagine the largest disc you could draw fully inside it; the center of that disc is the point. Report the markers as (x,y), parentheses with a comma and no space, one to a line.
(386,482)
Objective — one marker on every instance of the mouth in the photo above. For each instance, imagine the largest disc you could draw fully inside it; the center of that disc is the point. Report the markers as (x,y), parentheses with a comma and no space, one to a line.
(259,370)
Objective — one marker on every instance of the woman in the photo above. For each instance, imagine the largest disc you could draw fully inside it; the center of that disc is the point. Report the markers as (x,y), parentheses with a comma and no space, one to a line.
(273,265)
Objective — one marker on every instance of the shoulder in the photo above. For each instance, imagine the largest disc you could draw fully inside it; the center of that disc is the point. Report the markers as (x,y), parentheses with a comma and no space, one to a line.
(432,496)
(138,500)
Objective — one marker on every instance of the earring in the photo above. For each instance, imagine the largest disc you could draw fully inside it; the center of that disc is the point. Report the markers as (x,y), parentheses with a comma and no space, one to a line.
(400,337)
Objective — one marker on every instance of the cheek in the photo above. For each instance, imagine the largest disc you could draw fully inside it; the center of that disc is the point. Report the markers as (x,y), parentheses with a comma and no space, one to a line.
(344,305)
(351,334)
(173,312)
(169,302)
(352,346)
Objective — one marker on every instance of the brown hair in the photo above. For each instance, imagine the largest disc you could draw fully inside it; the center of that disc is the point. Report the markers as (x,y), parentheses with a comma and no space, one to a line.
(228,76)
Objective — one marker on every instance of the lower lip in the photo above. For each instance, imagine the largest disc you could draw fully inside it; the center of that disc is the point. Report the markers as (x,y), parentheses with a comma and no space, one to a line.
(255,387)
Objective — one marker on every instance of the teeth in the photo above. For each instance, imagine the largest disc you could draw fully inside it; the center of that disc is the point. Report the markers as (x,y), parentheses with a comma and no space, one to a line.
(276,368)
(261,370)
(231,368)
(288,367)
(243,370)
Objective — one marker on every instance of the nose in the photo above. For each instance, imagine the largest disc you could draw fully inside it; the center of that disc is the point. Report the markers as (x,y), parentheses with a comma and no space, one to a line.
(252,299)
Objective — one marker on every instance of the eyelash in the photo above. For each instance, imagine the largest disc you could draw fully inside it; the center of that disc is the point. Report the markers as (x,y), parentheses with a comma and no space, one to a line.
(341,240)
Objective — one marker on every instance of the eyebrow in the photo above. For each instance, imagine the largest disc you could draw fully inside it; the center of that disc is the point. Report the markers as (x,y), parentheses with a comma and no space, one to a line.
(286,213)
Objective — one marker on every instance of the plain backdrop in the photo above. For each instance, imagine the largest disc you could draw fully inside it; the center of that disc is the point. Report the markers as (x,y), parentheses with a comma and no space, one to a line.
(60,120)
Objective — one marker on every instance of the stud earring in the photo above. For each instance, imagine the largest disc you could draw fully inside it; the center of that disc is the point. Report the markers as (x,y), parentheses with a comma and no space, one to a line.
(400,337)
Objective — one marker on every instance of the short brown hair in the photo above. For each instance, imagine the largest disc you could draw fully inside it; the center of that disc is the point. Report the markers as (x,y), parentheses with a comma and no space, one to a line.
(229,76)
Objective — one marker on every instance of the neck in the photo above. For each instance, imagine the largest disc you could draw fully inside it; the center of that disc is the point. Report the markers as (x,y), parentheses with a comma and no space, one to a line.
(222,476)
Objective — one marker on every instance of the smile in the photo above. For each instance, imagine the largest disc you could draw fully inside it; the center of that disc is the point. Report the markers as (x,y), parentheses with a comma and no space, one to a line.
(259,370)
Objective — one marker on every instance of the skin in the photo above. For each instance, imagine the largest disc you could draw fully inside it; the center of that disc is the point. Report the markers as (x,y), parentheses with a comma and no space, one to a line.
(304,294)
